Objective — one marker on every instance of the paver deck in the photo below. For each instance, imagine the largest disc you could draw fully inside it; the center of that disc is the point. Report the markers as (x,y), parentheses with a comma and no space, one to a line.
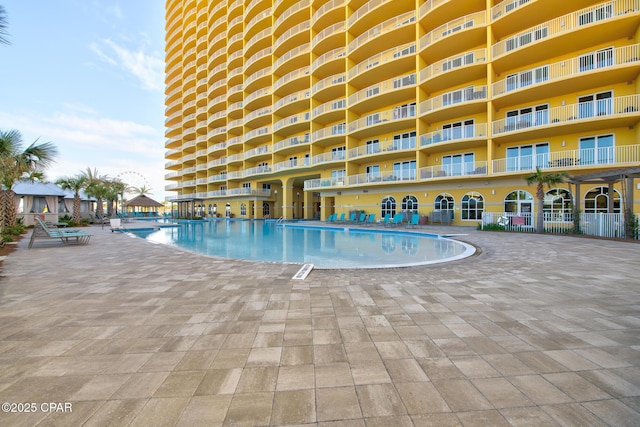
(533,330)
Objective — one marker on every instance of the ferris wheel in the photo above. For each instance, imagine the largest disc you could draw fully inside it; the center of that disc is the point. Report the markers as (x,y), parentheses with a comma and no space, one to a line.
(133,180)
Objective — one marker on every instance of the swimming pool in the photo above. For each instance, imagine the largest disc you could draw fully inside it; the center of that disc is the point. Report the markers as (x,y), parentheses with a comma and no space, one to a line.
(325,247)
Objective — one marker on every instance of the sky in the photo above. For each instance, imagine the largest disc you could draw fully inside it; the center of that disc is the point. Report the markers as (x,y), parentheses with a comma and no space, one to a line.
(88,76)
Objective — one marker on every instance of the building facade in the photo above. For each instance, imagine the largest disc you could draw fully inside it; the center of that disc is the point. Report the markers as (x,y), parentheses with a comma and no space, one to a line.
(299,109)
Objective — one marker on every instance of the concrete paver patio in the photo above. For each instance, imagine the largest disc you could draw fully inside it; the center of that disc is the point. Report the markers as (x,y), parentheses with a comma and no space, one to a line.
(534,330)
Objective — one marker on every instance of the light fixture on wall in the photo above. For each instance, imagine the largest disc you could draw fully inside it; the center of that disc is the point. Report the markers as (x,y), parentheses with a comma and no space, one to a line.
(493,192)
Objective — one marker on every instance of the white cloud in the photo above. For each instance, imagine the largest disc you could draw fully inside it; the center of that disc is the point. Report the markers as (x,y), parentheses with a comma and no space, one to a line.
(88,140)
(148,69)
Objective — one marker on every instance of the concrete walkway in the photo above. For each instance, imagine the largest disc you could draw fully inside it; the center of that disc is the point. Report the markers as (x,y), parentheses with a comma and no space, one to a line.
(534,330)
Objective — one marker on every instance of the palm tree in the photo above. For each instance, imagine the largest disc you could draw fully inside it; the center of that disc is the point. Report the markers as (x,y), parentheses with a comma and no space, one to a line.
(17,164)
(95,187)
(141,191)
(3,26)
(76,184)
(115,189)
(541,180)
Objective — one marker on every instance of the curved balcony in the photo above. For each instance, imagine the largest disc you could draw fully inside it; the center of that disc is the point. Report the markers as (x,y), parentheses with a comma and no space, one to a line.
(475,168)
(293,15)
(219,103)
(258,118)
(258,61)
(293,59)
(470,135)
(292,124)
(235,59)
(388,149)
(290,164)
(570,159)
(336,157)
(218,38)
(589,70)
(291,144)
(329,63)
(257,170)
(294,36)
(258,136)
(574,31)
(217,134)
(251,10)
(433,13)
(218,88)
(175,153)
(507,17)
(235,76)
(235,159)
(217,178)
(459,34)
(330,112)
(219,147)
(393,90)
(383,66)
(235,110)
(189,95)
(235,141)
(457,103)
(292,102)
(258,153)
(291,82)
(258,23)
(395,119)
(367,15)
(217,119)
(329,38)
(622,111)
(173,164)
(173,120)
(455,70)
(217,164)
(235,126)
(397,30)
(330,87)
(257,99)
(328,12)
(234,92)
(330,135)
(217,58)
(258,42)
(173,143)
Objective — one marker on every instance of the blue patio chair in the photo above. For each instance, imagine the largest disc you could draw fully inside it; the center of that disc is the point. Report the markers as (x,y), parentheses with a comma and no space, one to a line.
(370,220)
(341,219)
(413,223)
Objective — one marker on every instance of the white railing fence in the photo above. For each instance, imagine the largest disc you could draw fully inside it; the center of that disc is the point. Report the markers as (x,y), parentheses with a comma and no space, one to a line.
(611,225)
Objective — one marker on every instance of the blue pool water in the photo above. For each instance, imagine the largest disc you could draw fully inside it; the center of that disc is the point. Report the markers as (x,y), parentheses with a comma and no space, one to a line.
(325,247)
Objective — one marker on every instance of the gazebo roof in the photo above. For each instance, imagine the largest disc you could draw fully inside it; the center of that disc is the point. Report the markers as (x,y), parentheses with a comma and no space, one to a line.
(142,201)
(606,176)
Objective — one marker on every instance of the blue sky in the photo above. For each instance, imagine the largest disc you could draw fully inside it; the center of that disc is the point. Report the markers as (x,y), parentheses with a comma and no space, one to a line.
(88,75)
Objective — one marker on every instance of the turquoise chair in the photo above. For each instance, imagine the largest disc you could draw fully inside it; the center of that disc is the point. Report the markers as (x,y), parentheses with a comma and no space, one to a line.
(386,220)
(370,219)
(341,219)
(415,218)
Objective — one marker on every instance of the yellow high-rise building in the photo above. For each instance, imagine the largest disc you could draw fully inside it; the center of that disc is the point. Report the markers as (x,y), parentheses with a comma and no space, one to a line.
(299,109)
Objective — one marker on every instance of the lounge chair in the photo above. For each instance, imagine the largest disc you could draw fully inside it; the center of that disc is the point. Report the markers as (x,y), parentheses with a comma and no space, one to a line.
(413,223)
(370,220)
(66,236)
(331,218)
(341,219)
(397,220)
(360,219)
(352,217)
(386,219)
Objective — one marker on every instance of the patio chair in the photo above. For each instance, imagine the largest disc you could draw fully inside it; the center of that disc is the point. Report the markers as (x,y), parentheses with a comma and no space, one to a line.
(341,219)
(397,220)
(370,220)
(386,219)
(66,236)
(413,223)
(116,225)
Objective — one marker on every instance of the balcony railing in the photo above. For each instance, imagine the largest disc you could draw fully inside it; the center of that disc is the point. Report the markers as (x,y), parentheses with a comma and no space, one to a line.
(473,20)
(323,182)
(265,149)
(337,53)
(602,108)
(453,62)
(385,27)
(291,141)
(300,72)
(460,169)
(334,156)
(299,50)
(449,99)
(257,170)
(364,9)
(395,114)
(290,164)
(568,159)
(461,133)
(335,130)
(333,80)
(293,9)
(303,26)
(334,105)
(564,24)
(588,62)
(386,86)
(332,29)
(406,144)
(291,120)
(292,98)
(383,57)
(326,7)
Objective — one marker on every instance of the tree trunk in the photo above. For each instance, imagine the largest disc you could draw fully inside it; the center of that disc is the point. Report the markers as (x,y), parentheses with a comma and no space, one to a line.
(10,214)
(540,213)
(3,194)
(76,209)
(99,207)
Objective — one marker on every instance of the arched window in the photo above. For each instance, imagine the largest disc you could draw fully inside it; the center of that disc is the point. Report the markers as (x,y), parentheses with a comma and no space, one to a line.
(410,204)
(558,205)
(243,209)
(445,202)
(518,202)
(597,200)
(210,209)
(472,206)
(388,206)
(266,210)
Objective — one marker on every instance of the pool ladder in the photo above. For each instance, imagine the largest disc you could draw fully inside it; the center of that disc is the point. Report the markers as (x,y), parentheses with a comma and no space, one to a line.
(280,220)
